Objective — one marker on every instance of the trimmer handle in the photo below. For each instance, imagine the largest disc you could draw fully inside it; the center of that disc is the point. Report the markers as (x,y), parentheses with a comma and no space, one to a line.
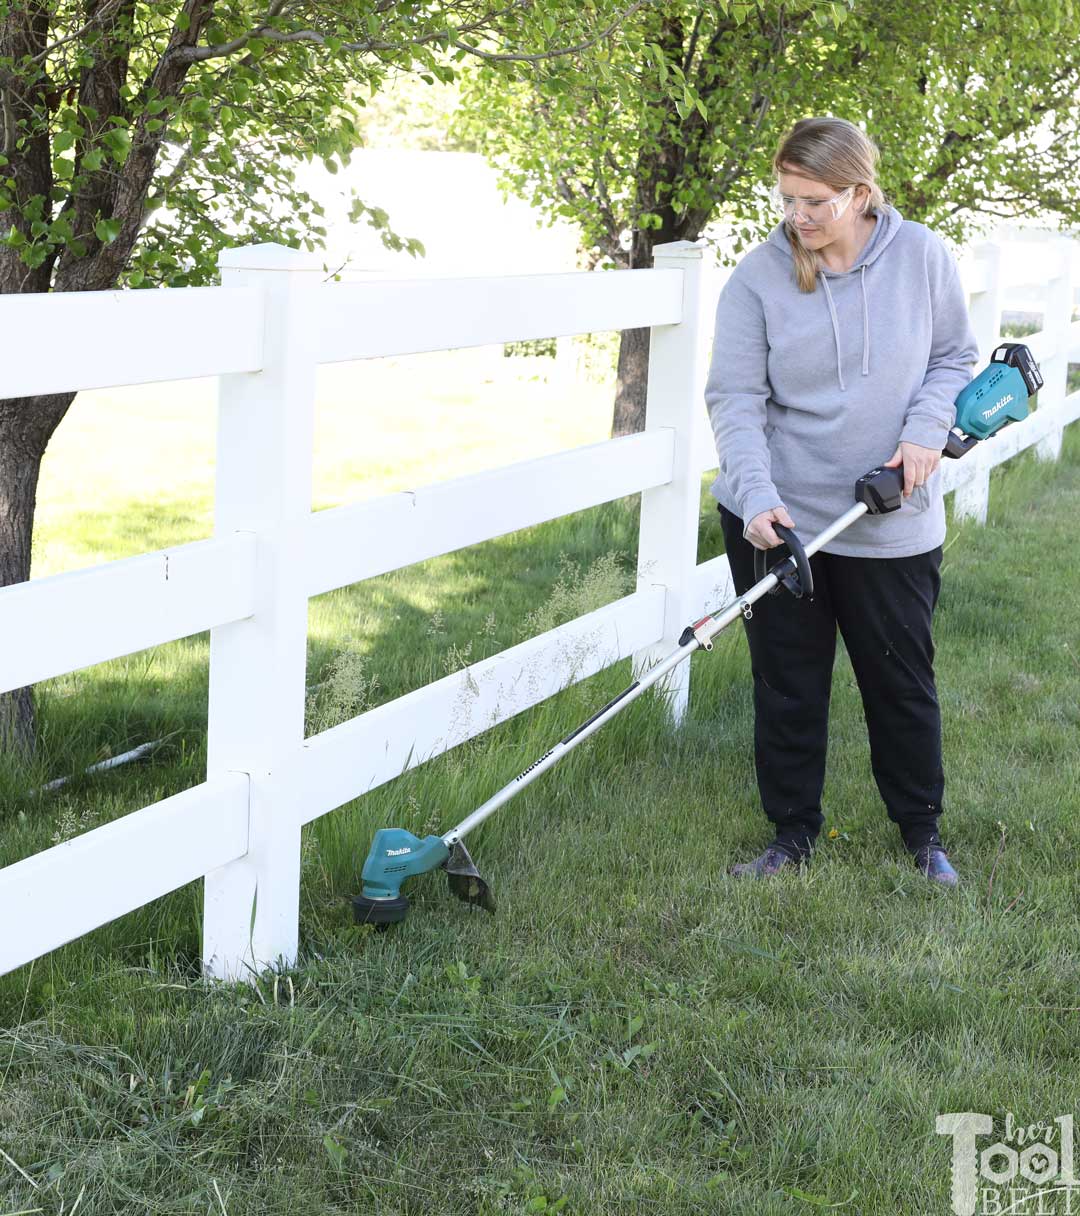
(793,571)
(882,490)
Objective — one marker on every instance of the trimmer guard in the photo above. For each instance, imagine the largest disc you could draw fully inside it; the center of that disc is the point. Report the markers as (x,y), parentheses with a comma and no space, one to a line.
(464,878)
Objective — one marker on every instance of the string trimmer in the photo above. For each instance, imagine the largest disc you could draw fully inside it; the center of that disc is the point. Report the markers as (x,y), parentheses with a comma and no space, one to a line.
(996,397)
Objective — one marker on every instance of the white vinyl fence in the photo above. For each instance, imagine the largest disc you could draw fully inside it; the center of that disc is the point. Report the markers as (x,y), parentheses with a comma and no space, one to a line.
(264,332)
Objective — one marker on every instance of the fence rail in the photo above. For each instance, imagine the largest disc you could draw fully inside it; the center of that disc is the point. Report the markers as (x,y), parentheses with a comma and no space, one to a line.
(89,616)
(412,526)
(265,332)
(99,351)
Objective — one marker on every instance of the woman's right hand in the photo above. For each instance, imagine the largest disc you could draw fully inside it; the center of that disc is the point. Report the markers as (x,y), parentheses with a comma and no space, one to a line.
(759,531)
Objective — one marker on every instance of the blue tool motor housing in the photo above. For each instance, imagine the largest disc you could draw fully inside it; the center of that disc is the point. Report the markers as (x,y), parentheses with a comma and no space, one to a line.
(999,393)
(396,855)
(996,396)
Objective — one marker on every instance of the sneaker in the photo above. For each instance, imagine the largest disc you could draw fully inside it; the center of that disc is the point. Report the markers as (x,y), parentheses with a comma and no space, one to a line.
(933,862)
(772,860)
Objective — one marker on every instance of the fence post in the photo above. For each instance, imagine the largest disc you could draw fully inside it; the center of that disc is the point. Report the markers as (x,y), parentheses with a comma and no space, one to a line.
(1057,320)
(668,535)
(258,665)
(973,497)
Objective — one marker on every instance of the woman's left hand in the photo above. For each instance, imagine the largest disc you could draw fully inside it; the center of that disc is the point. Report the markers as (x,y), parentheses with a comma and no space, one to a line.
(918,464)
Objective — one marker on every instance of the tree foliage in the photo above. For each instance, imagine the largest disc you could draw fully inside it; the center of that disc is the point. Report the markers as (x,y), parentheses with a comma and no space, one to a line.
(976,107)
(646,141)
(139,138)
(677,124)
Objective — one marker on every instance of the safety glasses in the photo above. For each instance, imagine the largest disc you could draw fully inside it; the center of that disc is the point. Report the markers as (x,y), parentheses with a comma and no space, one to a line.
(813,210)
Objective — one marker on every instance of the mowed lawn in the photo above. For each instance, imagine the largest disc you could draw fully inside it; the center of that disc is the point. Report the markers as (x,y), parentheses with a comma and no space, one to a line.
(633,1031)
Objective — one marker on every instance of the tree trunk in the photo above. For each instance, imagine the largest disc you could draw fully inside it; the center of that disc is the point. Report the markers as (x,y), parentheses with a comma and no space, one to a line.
(631,382)
(26,425)
(632,376)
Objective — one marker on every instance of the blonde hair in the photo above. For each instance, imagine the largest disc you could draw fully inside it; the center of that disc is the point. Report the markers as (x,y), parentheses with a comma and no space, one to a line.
(834,151)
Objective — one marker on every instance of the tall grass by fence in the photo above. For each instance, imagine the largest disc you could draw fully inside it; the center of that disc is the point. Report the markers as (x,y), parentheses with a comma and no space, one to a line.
(265,331)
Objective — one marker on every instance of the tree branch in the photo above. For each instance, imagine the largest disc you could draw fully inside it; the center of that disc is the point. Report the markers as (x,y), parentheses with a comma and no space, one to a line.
(9,123)
(193,54)
(198,54)
(566,50)
(106,10)
(693,42)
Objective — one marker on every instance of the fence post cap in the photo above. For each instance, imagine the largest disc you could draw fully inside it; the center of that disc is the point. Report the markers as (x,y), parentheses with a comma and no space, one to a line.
(268,256)
(681,249)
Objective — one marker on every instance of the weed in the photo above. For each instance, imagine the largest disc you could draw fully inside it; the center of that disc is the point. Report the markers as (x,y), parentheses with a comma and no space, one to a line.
(580,589)
(348,688)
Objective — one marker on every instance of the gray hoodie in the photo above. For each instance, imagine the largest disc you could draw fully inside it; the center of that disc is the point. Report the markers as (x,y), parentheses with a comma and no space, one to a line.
(809,390)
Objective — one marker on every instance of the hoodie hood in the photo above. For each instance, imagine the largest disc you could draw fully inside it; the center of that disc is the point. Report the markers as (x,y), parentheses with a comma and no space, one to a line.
(887,226)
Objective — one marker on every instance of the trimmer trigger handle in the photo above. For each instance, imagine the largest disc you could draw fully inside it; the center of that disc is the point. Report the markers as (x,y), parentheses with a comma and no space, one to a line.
(881,490)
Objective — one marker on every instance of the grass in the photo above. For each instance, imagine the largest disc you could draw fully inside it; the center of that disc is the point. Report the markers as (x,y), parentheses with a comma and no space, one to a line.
(633,1031)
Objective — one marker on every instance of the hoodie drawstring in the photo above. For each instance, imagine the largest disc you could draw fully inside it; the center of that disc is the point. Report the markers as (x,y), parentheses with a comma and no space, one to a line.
(836,326)
(865,325)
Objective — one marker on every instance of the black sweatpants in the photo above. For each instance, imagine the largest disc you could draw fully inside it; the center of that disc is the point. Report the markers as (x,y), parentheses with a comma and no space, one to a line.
(883,607)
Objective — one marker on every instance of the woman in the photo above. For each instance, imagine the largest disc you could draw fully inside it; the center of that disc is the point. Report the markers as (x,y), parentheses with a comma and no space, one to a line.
(841,343)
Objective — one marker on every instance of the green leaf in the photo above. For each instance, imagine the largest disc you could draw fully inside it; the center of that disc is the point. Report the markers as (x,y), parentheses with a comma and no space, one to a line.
(335,1151)
(107,231)
(63,140)
(118,143)
(93,160)
(34,255)
(183,21)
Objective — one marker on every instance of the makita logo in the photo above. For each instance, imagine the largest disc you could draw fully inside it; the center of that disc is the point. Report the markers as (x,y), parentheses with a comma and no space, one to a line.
(397,852)
(1000,406)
